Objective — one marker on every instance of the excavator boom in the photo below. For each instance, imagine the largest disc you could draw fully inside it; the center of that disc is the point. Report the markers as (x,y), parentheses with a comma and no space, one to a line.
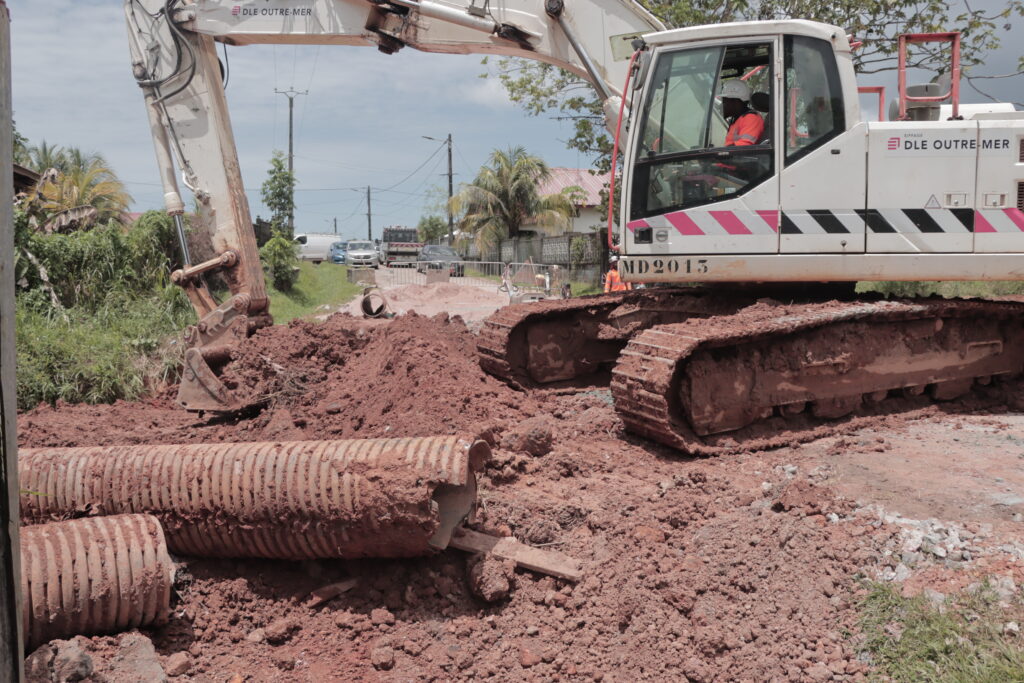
(175,63)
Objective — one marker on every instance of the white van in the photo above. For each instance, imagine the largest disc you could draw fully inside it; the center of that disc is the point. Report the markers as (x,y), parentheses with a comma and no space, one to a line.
(315,247)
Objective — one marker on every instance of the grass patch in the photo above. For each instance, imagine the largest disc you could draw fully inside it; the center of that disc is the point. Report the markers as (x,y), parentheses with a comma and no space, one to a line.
(946,289)
(580,288)
(909,639)
(325,284)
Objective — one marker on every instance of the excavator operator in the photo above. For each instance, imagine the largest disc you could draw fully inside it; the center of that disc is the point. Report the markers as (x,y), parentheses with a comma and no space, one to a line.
(745,125)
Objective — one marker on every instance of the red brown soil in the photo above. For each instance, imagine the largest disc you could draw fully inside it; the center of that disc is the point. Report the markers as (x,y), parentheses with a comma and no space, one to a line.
(716,569)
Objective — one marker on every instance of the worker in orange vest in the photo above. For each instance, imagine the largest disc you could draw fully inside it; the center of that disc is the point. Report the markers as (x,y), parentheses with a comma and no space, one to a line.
(613,281)
(745,125)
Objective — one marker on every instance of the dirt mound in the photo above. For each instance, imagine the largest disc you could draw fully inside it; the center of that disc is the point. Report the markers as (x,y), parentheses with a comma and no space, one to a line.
(416,376)
(343,378)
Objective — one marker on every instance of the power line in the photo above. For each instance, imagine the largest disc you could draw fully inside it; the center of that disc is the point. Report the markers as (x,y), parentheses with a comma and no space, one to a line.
(439,148)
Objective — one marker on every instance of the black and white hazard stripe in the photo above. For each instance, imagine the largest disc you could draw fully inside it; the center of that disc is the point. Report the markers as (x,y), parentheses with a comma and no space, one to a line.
(824,221)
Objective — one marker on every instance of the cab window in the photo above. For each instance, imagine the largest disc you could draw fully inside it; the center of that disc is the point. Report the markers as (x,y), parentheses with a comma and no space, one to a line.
(814,97)
(704,128)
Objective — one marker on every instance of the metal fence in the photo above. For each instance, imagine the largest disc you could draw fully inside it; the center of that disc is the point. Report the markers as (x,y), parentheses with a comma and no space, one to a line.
(583,252)
(485,274)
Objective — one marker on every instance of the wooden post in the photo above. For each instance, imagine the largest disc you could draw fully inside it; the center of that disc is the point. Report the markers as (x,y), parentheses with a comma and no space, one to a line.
(11,647)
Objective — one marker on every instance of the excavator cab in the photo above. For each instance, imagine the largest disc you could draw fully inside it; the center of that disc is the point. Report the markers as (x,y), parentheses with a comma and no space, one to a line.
(683,159)
(692,189)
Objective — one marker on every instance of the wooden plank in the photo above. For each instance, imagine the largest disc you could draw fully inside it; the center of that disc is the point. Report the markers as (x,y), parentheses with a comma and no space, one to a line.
(549,562)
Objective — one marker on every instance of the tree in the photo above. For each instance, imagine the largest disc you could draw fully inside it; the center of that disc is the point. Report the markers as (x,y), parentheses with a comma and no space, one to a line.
(278,193)
(76,191)
(19,147)
(431,228)
(281,262)
(541,88)
(43,157)
(504,197)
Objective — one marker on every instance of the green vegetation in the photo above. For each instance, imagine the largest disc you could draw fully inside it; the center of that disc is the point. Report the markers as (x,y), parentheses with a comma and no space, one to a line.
(280,257)
(908,639)
(77,190)
(96,314)
(278,193)
(317,286)
(581,288)
(121,350)
(431,228)
(503,198)
(946,289)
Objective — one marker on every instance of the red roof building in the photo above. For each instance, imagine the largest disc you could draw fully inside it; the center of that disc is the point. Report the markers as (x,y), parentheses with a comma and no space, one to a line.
(589,216)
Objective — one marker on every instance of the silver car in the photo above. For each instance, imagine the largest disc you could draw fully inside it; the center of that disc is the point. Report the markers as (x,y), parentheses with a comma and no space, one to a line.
(361,254)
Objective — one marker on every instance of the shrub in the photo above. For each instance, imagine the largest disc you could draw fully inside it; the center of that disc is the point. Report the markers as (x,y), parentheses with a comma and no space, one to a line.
(281,261)
(119,351)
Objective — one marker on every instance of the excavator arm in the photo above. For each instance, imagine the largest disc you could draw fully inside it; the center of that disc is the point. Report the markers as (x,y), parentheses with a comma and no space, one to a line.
(174,61)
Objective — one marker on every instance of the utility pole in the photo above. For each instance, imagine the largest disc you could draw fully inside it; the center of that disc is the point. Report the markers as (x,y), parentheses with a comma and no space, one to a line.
(335,225)
(451,219)
(291,95)
(369,216)
(451,223)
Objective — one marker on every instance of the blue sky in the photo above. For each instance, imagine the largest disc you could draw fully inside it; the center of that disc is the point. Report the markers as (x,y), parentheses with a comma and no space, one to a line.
(361,123)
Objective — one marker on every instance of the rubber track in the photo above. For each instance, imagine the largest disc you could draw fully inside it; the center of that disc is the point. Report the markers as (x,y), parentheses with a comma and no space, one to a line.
(496,344)
(645,379)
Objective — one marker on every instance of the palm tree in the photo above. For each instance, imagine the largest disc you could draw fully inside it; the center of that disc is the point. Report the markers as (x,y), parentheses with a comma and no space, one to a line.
(43,157)
(78,196)
(504,197)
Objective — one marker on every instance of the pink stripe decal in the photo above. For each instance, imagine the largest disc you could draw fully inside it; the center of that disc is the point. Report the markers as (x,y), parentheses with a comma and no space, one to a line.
(732,224)
(1017,216)
(771,218)
(683,223)
(633,225)
(981,224)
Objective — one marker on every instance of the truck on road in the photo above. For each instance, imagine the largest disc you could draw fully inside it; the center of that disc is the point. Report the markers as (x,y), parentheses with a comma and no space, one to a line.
(400,246)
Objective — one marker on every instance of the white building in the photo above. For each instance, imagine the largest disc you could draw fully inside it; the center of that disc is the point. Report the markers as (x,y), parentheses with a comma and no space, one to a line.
(589,217)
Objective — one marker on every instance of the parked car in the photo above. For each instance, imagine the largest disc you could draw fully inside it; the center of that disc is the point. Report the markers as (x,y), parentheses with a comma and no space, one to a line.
(338,250)
(361,254)
(438,256)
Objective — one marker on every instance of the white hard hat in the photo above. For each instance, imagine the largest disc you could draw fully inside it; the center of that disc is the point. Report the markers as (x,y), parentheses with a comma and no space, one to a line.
(736,89)
(613,259)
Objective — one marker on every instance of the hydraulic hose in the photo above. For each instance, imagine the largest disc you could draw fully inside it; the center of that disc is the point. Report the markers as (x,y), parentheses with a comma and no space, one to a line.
(615,152)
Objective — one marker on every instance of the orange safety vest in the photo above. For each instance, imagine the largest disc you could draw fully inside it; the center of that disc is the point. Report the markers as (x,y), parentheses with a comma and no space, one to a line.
(747,129)
(613,282)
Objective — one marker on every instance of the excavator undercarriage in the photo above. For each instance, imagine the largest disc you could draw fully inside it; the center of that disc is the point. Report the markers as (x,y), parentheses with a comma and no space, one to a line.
(711,374)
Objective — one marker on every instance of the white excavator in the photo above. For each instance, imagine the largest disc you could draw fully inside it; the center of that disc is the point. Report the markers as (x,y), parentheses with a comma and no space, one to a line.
(818,195)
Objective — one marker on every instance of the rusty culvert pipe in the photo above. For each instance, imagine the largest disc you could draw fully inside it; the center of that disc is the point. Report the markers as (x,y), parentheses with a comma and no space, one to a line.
(287,500)
(373,304)
(96,575)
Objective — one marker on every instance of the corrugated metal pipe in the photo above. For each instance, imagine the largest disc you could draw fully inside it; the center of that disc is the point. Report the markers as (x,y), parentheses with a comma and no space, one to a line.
(287,500)
(95,575)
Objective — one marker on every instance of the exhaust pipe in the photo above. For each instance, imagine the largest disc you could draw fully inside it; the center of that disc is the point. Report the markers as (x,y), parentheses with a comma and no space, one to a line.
(285,500)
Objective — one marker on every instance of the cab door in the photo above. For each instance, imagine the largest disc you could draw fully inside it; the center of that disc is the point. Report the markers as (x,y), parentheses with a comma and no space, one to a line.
(823,192)
(689,192)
